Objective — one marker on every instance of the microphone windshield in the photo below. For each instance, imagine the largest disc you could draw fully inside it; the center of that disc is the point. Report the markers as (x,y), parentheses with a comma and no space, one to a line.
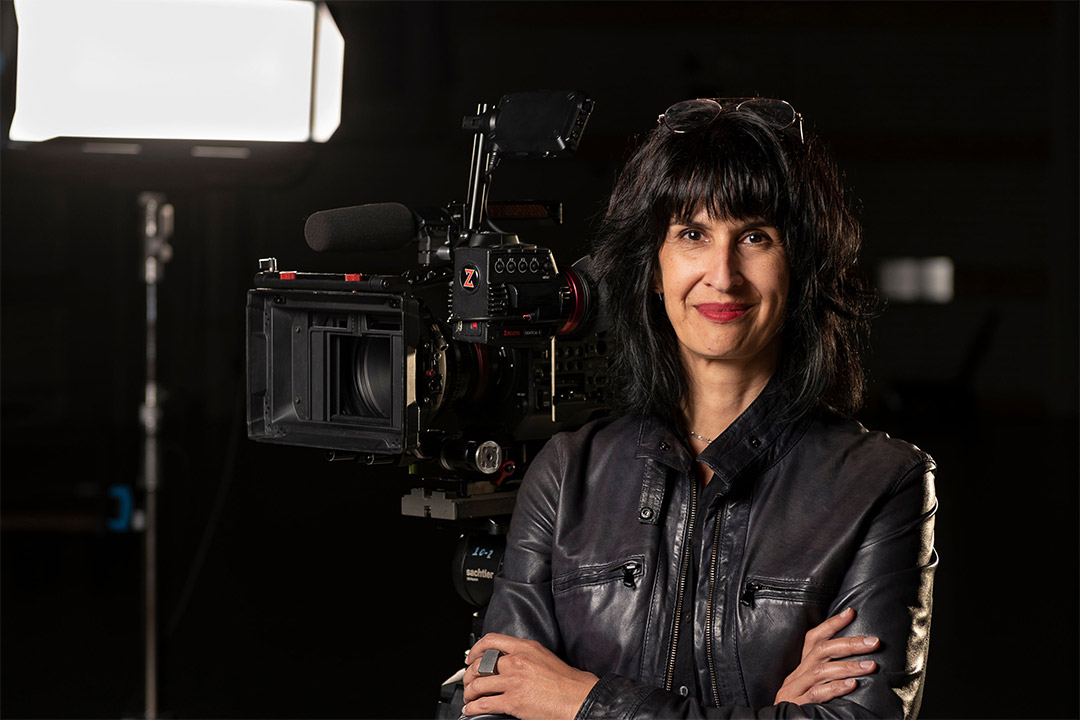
(378,226)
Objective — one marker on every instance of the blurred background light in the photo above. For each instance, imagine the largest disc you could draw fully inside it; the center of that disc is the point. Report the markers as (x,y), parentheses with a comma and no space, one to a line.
(239,70)
(329,76)
(910,279)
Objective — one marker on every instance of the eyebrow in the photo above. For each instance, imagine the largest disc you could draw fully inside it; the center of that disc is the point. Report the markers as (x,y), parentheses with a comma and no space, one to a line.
(741,223)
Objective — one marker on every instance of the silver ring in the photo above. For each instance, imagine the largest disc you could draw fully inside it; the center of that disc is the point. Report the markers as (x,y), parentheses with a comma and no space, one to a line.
(487,663)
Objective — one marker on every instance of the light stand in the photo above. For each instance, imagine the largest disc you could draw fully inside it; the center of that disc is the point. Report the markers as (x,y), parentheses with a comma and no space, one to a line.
(157,228)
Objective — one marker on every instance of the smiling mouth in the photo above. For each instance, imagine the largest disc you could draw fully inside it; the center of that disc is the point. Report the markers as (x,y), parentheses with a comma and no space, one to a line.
(722,312)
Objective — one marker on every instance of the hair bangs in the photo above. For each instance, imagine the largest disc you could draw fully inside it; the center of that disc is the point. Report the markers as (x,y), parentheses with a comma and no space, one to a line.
(727,182)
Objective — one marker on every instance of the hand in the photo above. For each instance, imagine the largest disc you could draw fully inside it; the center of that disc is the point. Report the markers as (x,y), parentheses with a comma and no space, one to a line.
(820,677)
(531,682)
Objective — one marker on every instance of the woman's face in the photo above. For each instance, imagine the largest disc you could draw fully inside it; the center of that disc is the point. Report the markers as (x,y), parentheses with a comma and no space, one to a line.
(725,285)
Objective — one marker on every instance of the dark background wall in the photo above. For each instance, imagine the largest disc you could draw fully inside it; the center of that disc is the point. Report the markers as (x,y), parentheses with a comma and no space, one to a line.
(292,588)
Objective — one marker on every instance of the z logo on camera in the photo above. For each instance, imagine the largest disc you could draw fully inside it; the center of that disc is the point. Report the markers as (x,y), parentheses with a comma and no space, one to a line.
(470,278)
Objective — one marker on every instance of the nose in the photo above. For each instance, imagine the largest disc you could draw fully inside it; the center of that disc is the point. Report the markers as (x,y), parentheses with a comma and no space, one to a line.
(723,268)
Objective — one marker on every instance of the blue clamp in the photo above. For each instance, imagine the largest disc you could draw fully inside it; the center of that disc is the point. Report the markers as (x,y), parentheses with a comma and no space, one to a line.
(121,522)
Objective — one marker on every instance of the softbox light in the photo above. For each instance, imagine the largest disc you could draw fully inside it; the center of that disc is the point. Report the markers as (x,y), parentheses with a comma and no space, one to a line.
(231,70)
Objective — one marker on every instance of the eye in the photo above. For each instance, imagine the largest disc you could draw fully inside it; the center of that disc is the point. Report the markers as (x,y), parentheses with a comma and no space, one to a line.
(692,234)
(758,237)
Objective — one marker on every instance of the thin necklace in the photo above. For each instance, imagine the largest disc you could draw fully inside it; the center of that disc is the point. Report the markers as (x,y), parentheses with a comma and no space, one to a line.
(700,437)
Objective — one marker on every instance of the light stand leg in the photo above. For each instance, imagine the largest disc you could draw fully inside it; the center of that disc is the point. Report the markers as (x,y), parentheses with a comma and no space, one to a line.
(157,216)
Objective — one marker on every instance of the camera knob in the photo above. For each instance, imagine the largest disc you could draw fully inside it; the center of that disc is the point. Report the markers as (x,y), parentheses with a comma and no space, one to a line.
(488,457)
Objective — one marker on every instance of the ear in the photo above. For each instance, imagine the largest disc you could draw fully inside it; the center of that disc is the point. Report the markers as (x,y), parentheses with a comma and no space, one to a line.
(657,281)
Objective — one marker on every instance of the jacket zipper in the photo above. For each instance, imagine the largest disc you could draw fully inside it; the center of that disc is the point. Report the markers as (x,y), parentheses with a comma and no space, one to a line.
(687,539)
(709,660)
(758,587)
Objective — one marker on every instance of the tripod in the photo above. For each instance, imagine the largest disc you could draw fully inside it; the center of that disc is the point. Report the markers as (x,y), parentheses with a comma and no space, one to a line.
(157,227)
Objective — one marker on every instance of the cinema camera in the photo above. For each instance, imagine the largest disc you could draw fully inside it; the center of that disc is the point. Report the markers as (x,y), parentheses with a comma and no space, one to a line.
(460,368)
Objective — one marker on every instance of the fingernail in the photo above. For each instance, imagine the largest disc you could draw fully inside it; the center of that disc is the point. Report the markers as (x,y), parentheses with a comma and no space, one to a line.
(849,611)
(869,641)
(866,664)
(849,683)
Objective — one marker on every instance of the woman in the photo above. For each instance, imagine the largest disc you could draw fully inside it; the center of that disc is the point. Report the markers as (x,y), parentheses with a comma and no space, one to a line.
(700,555)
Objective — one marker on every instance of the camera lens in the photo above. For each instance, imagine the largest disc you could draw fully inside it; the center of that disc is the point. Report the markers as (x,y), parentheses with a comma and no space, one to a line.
(372,386)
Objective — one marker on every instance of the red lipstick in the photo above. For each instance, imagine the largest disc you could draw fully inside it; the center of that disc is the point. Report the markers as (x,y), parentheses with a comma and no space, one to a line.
(722,312)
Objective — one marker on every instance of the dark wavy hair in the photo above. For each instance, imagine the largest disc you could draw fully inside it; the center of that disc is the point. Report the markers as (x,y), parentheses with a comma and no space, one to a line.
(737,166)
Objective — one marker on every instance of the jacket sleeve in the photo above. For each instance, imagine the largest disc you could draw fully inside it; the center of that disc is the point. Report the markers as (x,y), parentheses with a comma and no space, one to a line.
(889,583)
(522,604)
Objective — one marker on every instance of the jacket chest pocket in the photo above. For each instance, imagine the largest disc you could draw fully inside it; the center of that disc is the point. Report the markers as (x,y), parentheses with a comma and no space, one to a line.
(627,572)
(755,589)
(601,611)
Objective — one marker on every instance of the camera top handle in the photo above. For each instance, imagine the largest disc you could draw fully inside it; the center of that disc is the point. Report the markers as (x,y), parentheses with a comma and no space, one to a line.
(535,124)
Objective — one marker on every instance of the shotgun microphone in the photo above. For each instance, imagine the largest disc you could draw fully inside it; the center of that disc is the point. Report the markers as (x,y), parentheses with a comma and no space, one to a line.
(377,226)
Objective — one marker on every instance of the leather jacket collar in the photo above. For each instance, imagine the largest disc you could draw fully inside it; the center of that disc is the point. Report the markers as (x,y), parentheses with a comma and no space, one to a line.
(755,436)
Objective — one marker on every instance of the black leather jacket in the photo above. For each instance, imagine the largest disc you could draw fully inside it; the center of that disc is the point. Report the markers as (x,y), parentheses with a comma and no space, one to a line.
(812,517)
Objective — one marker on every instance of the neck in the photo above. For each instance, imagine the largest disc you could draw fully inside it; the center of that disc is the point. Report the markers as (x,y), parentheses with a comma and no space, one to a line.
(720,392)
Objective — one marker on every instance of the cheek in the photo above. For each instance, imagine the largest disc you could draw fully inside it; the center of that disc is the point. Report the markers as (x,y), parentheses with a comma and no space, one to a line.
(781,281)
(675,274)
(774,285)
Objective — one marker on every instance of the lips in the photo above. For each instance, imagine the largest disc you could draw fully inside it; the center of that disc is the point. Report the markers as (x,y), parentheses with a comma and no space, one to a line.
(722,312)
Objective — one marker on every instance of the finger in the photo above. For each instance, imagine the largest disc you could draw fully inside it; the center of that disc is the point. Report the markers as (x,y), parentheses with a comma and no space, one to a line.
(486,705)
(514,653)
(830,627)
(841,670)
(472,671)
(488,685)
(806,677)
(496,641)
(828,691)
(843,647)
(492,641)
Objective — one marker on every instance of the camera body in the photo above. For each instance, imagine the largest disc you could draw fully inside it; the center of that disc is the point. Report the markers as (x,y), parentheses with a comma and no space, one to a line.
(377,371)
(467,362)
